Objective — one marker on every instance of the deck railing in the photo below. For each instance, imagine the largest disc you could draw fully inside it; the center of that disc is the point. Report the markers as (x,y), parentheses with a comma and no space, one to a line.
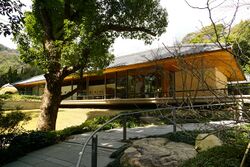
(230,91)
(172,120)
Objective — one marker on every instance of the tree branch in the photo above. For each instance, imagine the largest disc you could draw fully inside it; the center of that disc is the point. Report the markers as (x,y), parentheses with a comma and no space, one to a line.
(121,28)
(47,23)
(194,7)
(70,70)
(71,93)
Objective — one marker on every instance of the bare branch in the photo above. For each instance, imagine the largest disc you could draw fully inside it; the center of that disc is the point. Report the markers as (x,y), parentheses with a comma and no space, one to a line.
(194,7)
(122,28)
(232,20)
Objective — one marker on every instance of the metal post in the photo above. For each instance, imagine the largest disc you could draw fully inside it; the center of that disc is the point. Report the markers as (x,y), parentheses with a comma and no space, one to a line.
(240,110)
(94,151)
(174,119)
(124,124)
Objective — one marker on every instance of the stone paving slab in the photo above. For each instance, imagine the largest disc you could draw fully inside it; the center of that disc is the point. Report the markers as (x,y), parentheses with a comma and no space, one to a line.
(61,155)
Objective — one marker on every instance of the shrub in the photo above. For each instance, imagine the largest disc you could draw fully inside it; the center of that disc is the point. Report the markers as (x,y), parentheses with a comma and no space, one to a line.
(17,97)
(5,96)
(11,122)
(24,143)
(63,134)
(235,135)
(223,156)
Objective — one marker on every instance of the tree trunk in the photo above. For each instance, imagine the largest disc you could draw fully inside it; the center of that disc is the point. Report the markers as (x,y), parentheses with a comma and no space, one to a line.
(50,104)
(52,92)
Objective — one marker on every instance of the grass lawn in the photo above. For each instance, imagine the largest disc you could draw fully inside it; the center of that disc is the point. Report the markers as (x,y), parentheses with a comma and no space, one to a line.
(68,116)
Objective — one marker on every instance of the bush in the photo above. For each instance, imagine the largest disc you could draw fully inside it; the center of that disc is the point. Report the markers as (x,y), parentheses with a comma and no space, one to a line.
(17,97)
(223,156)
(11,122)
(24,143)
(185,137)
(235,135)
(63,134)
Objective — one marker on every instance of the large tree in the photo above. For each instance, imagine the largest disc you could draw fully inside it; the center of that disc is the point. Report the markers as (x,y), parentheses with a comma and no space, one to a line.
(66,36)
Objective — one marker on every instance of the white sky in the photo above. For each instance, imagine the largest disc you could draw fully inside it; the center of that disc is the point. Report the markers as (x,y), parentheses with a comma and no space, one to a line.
(182,20)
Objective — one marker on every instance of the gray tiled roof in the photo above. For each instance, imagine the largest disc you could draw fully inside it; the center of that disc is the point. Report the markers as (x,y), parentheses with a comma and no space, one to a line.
(162,53)
(149,55)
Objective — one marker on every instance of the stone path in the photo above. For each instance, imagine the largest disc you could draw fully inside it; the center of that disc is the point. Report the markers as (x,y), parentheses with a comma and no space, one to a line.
(65,154)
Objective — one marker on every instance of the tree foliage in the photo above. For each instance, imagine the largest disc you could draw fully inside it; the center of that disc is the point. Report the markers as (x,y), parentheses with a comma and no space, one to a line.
(78,26)
(205,35)
(240,38)
(11,12)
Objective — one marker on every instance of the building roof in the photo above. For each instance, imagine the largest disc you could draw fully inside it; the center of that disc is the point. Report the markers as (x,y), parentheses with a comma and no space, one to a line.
(147,56)
(247,81)
(31,80)
(162,53)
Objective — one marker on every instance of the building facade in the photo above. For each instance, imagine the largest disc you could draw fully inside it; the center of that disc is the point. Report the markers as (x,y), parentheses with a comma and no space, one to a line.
(199,70)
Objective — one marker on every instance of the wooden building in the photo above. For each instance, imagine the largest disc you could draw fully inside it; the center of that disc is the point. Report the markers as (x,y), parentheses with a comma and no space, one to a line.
(200,70)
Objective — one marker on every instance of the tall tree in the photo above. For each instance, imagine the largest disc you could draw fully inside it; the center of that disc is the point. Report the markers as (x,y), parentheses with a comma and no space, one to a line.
(11,16)
(64,36)
(205,35)
(240,38)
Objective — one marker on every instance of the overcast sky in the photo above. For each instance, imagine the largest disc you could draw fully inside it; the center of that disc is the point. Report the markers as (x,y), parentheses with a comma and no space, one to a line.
(182,20)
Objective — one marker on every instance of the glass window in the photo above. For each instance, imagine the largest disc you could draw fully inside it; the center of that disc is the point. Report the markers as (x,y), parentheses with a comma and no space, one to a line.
(110,85)
(121,85)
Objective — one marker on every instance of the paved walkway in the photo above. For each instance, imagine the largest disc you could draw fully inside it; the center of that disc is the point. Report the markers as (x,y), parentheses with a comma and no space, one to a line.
(65,154)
